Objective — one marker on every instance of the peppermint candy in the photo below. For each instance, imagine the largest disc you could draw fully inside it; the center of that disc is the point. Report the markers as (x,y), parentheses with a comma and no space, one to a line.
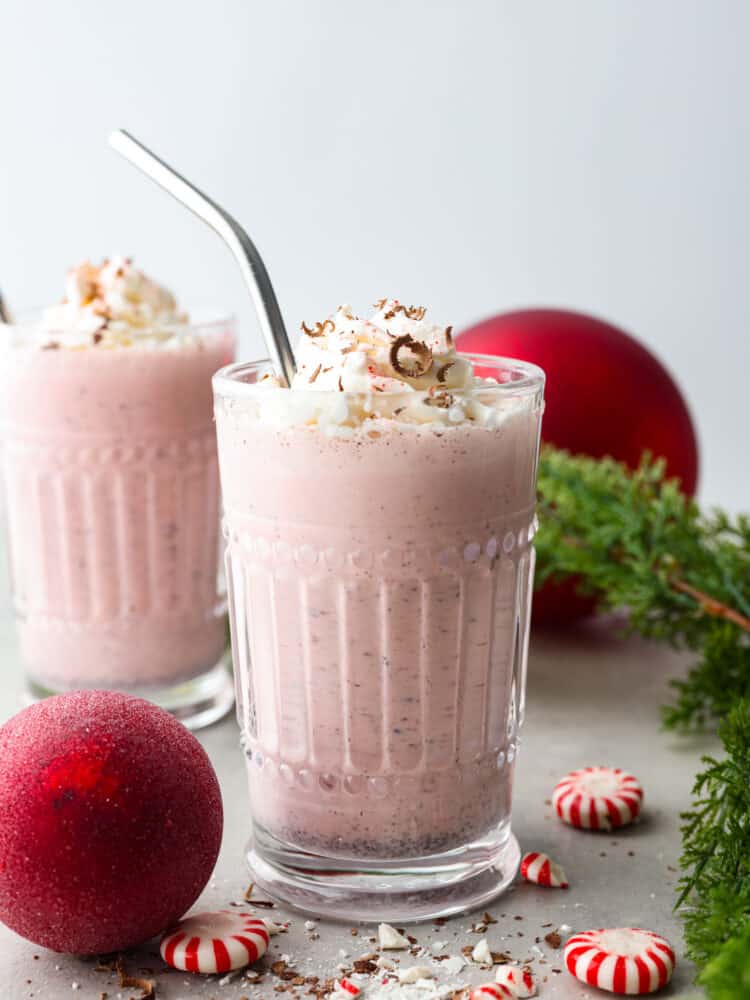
(625,960)
(598,798)
(215,942)
(540,869)
(491,991)
(519,981)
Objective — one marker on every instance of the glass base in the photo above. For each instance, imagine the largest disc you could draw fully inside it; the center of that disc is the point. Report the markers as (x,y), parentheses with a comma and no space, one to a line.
(197,703)
(402,890)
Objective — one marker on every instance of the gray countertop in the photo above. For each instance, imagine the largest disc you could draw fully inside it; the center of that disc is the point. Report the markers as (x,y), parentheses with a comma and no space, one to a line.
(593,699)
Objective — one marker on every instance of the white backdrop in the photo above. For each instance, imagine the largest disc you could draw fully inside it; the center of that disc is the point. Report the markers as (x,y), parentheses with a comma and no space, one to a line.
(473,155)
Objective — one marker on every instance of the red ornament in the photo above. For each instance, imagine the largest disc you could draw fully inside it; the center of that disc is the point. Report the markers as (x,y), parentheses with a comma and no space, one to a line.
(111,821)
(606,394)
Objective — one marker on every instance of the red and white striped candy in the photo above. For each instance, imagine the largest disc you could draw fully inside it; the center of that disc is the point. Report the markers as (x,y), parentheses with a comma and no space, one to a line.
(540,869)
(346,988)
(624,960)
(598,798)
(491,991)
(215,942)
(519,981)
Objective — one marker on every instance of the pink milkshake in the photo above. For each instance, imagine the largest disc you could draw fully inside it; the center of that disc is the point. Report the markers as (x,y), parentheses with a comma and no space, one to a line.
(379,517)
(112,493)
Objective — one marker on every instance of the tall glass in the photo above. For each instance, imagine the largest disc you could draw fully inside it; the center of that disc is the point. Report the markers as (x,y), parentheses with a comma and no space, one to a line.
(111,492)
(379,582)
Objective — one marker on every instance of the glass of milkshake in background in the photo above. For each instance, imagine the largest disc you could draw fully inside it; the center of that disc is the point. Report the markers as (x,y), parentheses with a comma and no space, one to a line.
(379,517)
(112,493)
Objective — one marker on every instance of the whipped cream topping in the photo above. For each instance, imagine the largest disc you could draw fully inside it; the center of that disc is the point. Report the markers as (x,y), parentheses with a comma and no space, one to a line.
(395,350)
(394,368)
(113,304)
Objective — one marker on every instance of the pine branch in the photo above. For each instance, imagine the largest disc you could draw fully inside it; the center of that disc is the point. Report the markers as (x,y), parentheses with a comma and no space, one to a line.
(637,543)
(716,862)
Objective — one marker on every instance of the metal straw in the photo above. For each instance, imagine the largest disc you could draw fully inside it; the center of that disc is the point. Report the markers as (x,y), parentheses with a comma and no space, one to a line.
(253,269)
(5,316)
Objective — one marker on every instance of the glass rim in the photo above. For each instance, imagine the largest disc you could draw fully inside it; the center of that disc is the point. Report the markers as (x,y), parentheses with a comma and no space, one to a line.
(203,323)
(227,381)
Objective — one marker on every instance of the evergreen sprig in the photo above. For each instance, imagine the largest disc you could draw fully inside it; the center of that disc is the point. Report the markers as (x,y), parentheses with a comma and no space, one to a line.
(637,543)
(715,860)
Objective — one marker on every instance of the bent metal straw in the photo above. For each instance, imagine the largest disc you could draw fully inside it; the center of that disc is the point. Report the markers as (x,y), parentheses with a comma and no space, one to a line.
(251,264)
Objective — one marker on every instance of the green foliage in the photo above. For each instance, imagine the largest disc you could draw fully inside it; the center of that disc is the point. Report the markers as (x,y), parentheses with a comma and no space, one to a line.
(636,542)
(716,844)
(727,975)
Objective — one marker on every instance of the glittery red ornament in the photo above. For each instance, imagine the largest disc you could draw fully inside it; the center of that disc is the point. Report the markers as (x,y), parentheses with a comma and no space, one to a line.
(111,821)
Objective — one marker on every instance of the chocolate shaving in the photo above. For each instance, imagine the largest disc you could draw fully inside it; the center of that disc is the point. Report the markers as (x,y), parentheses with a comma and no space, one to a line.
(146,986)
(487,918)
(449,336)
(248,893)
(341,385)
(443,371)
(438,397)
(379,304)
(364,965)
(97,337)
(283,971)
(314,374)
(501,957)
(319,329)
(553,939)
(421,356)
(411,312)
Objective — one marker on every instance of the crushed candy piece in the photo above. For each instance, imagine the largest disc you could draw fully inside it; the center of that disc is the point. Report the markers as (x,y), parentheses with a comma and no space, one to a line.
(519,981)
(490,991)
(347,987)
(273,928)
(414,974)
(481,953)
(625,960)
(541,870)
(453,965)
(390,939)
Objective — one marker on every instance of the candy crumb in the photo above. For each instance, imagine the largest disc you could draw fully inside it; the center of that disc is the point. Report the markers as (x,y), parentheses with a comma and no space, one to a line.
(390,939)
(481,953)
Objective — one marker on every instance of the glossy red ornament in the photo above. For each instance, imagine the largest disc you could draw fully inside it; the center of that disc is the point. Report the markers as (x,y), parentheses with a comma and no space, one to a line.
(111,821)
(606,394)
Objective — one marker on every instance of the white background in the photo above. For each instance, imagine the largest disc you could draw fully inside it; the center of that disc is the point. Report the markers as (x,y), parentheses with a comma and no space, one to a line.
(475,156)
